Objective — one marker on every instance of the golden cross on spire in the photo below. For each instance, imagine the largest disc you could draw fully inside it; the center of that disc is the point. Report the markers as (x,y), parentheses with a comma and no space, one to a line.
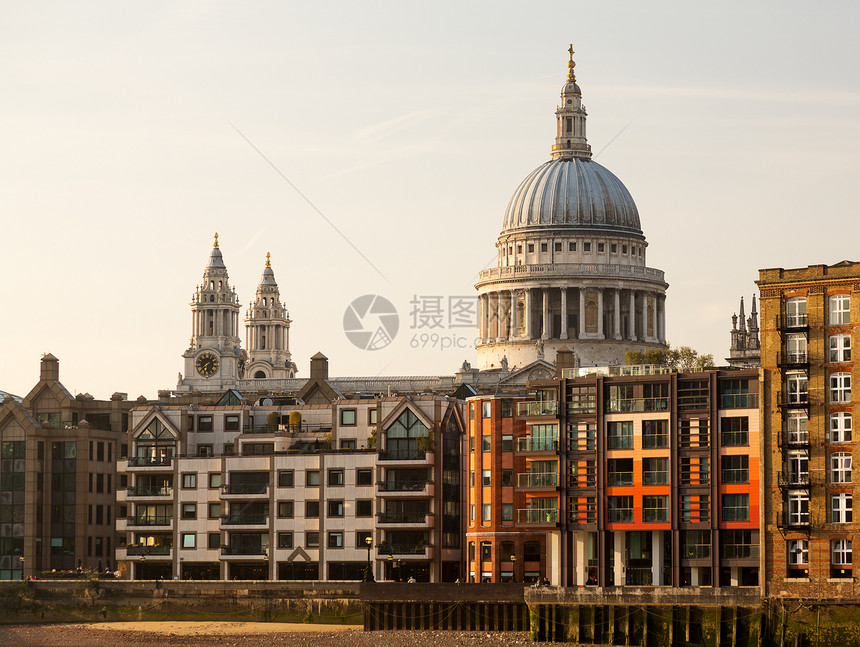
(268,263)
(216,240)
(570,65)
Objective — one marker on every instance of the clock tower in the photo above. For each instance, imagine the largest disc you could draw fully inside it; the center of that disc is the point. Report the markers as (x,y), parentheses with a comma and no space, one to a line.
(214,359)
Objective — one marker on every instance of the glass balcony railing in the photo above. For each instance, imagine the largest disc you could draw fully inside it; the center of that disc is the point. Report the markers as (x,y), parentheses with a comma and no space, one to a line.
(244,519)
(151,520)
(619,478)
(149,461)
(403,486)
(637,404)
(150,490)
(537,444)
(161,549)
(245,488)
(537,479)
(542,408)
(739,401)
(537,515)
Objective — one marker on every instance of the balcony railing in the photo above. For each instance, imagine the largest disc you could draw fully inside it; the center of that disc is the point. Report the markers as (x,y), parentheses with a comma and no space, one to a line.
(655,478)
(161,549)
(794,480)
(150,490)
(637,404)
(582,517)
(620,515)
(402,549)
(537,515)
(619,478)
(403,486)
(582,441)
(243,550)
(151,520)
(739,401)
(245,488)
(793,358)
(542,408)
(403,517)
(247,519)
(402,455)
(537,444)
(790,321)
(537,479)
(150,461)
(619,442)
(586,478)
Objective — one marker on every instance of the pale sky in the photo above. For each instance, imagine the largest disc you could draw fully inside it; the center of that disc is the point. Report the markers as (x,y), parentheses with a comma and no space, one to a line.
(736,128)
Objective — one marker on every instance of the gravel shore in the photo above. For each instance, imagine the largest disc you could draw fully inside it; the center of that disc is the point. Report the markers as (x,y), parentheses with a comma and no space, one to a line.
(209,634)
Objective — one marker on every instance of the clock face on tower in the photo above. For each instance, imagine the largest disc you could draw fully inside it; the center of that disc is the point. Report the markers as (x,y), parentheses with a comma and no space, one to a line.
(206,365)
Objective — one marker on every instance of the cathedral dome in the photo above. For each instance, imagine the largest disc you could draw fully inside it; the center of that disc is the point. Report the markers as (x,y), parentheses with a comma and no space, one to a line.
(573,193)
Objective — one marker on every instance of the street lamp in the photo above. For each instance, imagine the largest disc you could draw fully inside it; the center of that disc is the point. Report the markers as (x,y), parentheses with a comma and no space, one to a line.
(368,572)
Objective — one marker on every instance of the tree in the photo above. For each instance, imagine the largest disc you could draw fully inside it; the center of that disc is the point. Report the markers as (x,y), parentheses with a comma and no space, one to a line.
(682,358)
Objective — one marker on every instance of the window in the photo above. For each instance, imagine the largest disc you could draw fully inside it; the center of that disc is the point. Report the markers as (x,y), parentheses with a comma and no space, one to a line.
(655,471)
(600,248)
(471,444)
(507,478)
(840,309)
(543,247)
(205,450)
(655,434)
(620,435)
(840,467)
(285,478)
(620,509)
(335,508)
(613,248)
(841,508)
(624,249)
(347,417)
(486,443)
(486,511)
(213,540)
(312,509)
(695,544)
(655,508)
(348,445)
(795,312)
(486,478)
(736,507)
(215,480)
(189,480)
(364,508)
(471,478)
(798,467)
(285,540)
(312,478)
(204,423)
(840,427)
(840,387)
(286,509)
(695,508)
(372,416)
(840,348)
(361,538)
(312,539)
(472,512)
(486,409)
(231,423)
(734,432)
(189,540)
(214,510)
(736,469)
(796,387)
(798,427)
(507,409)
(795,348)
(798,555)
(189,510)
(798,509)
(486,551)
(507,512)
(841,558)
(586,247)
(335,477)
(571,247)
(531,248)
(335,539)
(507,443)
(364,477)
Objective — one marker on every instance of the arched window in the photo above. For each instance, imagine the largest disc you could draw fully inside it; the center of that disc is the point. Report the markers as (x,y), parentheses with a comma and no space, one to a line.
(259,375)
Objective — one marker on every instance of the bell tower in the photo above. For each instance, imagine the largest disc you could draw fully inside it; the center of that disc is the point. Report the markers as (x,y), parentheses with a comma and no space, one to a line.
(267,331)
(212,360)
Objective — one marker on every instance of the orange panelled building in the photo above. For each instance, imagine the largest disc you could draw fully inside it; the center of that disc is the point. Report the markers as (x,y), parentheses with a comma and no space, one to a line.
(616,476)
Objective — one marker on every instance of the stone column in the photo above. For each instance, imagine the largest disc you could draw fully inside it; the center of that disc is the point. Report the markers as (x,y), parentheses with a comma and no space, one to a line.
(656,557)
(527,323)
(500,332)
(600,333)
(619,537)
(581,313)
(632,316)
(662,321)
(654,319)
(645,316)
(616,320)
(563,334)
(514,323)
(579,547)
(545,314)
(482,307)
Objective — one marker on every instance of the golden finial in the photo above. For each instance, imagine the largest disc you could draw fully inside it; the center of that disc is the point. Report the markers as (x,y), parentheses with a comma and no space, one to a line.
(268,263)
(216,240)
(570,65)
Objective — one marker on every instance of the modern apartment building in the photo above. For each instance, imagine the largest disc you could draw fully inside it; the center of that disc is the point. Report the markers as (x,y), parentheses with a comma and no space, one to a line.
(808,320)
(617,476)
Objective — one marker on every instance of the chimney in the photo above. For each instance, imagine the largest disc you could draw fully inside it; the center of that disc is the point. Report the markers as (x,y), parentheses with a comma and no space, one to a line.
(50,368)
(319,367)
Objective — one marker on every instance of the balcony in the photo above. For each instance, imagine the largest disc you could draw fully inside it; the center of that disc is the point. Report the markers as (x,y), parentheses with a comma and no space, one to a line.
(255,553)
(582,441)
(402,455)
(150,461)
(538,516)
(162,550)
(542,408)
(619,478)
(637,405)
(793,359)
(150,491)
(537,480)
(793,322)
(739,401)
(149,521)
(655,478)
(243,491)
(620,515)
(404,518)
(582,517)
(246,519)
(410,489)
(537,444)
(793,481)
(793,400)
(793,520)
(405,551)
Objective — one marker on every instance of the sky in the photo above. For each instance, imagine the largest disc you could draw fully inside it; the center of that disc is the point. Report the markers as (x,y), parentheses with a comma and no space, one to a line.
(372,148)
